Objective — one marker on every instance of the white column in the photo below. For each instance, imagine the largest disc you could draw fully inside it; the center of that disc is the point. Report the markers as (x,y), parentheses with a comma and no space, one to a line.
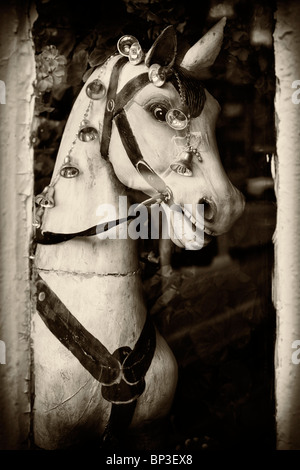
(17,71)
(287,240)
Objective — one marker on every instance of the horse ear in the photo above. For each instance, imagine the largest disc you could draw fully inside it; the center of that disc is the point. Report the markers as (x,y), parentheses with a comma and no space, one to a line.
(164,49)
(205,51)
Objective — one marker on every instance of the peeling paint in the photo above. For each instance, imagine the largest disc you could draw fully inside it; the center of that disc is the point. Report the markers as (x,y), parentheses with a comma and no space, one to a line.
(17,69)
(286,293)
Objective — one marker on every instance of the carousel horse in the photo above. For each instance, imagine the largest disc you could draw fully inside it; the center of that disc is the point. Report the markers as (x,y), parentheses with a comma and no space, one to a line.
(142,125)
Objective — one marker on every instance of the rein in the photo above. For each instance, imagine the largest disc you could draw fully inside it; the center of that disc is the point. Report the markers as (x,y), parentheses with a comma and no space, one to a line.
(115,111)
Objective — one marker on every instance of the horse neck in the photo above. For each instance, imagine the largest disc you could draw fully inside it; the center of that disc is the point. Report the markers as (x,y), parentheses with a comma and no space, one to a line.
(78,201)
(81,203)
(91,275)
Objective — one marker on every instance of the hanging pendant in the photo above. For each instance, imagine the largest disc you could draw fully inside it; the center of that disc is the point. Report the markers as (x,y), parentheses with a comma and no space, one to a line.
(69,169)
(157,75)
(46,199)
(124,44)
(176,119)
(95,90)
(38,217)
(136,54)
(196,153)
(184,166)
(87,132)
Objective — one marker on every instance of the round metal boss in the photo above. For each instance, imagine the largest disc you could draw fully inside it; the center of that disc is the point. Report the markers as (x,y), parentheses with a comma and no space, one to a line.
(176,119)
(95,90)
(124,44)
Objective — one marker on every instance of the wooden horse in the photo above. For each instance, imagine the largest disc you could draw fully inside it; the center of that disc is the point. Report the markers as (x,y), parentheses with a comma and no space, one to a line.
(142,124)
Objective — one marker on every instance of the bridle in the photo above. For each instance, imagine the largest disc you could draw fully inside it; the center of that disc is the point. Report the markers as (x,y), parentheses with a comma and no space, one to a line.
(115,112)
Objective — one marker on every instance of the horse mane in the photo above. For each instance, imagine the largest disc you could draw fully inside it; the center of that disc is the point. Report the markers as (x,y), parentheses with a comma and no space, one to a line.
(192,88)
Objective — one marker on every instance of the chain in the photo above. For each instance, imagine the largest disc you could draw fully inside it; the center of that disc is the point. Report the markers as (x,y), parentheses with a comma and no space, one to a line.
(85,116)
(181,91)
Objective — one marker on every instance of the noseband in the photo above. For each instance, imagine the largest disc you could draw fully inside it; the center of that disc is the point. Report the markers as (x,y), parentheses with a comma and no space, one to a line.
(114,111)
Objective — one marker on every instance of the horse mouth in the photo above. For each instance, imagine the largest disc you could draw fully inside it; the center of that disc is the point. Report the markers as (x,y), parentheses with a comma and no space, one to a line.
(187,231)
(196,226)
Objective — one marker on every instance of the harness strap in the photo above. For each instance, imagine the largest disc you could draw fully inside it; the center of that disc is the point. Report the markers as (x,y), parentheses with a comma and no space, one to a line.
(128,139)
(119,420)
(52,238)
(129,90)
(135,156)
(110,104)
(125,366)
(122,374)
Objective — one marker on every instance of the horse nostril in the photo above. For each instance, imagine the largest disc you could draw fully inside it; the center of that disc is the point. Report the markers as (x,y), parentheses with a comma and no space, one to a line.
(209,208)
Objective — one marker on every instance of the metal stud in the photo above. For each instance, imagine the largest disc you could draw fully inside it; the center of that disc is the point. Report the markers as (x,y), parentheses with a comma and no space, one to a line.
(176,119)
(42,296)
(157,75)
(69,169)
(95,90)
(46,199)
(124,44)
(87,132)
(136,54)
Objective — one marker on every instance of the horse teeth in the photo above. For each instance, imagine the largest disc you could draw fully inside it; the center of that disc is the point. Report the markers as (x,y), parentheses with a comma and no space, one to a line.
(208,232)
(189,216)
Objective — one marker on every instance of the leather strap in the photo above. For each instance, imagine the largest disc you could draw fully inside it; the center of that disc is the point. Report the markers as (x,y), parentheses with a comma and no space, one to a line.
(121,373)
(134,154)
(128,139)
(52,238)
(129,90)
(110,105)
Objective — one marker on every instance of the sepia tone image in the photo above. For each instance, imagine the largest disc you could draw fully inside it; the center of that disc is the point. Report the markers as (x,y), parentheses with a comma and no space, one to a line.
(150,257)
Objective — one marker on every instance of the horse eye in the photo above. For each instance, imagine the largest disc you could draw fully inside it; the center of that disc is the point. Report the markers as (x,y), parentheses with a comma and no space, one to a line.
(159,112)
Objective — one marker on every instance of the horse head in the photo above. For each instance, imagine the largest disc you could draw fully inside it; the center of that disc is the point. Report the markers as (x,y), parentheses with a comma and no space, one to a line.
(165,124)
(156,125)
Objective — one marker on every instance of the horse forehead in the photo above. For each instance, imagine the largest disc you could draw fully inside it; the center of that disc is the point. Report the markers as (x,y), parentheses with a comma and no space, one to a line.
(130,71)
(151,93)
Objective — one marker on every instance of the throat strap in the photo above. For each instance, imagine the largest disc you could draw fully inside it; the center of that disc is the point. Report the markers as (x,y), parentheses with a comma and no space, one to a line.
(52,238)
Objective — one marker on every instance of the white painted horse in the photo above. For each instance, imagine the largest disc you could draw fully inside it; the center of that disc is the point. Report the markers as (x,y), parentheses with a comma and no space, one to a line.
(143,123)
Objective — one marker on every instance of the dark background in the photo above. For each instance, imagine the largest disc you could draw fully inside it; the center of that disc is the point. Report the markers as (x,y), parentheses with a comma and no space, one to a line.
(215,307)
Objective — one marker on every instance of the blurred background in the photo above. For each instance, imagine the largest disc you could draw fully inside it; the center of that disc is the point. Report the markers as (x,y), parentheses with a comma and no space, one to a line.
(214,307)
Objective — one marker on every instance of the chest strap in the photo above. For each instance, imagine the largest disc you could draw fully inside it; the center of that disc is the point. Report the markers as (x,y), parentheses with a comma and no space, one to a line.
(122,374)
